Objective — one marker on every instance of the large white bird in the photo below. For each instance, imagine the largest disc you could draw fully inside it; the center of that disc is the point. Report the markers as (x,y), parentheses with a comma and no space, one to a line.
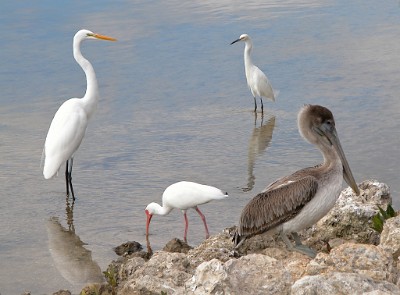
(184,195)
(256,79)
(69,124)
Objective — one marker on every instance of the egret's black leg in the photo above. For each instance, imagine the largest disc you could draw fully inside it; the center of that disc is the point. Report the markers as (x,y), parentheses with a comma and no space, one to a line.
(68,178)
(262,106)
(255,104)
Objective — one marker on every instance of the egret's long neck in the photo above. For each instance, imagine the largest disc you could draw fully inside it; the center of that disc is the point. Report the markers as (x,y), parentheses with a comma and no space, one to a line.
(92,92)
(247,54)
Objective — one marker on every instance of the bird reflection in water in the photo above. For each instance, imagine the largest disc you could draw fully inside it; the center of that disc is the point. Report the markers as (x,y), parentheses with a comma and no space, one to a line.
(71,258)
(258,143)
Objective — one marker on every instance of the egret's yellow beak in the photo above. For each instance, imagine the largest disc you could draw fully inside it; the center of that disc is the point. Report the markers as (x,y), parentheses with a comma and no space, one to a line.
(103,37)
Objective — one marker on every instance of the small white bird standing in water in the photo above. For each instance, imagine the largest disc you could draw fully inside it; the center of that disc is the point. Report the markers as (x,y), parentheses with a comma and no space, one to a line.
(256,79)
(184,195)
(69,124)
(299,200)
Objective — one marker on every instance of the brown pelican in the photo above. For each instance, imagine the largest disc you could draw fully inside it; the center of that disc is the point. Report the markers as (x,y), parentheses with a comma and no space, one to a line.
(299,200)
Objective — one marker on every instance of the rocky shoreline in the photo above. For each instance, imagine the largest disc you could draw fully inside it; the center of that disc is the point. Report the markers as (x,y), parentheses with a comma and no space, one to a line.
(353,258)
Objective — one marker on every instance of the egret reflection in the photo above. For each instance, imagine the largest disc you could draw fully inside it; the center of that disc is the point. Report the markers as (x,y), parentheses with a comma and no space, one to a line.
(258,143)
(71,258)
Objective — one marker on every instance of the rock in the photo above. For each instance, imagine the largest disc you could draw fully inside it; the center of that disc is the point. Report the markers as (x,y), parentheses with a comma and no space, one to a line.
(368,260)
(350,218)
(250,274)
(177,245)
(62,292)
(128,248)
(335,283)
(164,271)
(352,258)
(123,269)
(216,247)
(390,237)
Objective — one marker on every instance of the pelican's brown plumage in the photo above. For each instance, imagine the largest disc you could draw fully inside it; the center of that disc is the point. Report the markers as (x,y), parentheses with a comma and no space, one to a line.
(299,200)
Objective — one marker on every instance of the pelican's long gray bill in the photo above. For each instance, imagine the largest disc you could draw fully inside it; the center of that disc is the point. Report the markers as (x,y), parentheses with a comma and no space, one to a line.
(236,41)
(331,134)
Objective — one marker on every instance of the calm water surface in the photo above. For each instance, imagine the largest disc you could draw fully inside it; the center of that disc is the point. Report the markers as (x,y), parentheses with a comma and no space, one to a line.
(174,106)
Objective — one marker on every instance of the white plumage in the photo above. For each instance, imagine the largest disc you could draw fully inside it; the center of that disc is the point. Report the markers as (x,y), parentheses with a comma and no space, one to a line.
(184,195)
(257,81)
(68,126)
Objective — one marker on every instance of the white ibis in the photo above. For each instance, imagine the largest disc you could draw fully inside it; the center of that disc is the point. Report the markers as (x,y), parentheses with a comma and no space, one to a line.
(297,201)
(68,126)
(184,195)
(257,81)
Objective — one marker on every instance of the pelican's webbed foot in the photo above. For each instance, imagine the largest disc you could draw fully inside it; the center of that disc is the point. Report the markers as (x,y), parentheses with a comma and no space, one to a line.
(299,247)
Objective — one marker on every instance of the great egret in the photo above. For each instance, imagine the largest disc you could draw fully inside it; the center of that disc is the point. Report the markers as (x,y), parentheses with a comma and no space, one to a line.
(256,79)
(299,200)
(184,195)
(68,126)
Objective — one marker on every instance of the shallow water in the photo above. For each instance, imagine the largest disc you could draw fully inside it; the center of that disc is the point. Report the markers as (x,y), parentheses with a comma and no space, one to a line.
(174,105)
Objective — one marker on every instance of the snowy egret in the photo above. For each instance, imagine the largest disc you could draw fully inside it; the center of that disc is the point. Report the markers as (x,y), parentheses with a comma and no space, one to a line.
(184,195)
(68,126)
(256,79)
(299,200)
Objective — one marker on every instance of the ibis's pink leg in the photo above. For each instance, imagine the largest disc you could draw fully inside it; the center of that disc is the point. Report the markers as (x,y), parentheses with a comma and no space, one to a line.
(204,221)
(186,226)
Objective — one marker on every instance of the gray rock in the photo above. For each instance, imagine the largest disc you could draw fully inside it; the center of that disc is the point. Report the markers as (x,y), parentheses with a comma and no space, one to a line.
(164,271)
(349,259)
(369,260)
(350,218)
(390,237)
(128,248)
(335,283)
(177,245)
(250,274)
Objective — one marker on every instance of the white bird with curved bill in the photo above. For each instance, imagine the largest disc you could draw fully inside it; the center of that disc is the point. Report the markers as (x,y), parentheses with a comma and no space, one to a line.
(68,126)
(257,81)
(299,200)
(184,195)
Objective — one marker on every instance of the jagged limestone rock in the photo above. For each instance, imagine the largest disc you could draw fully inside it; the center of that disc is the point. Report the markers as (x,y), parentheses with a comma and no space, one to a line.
(390,236)
(350,218)
(348,260)
(339,283)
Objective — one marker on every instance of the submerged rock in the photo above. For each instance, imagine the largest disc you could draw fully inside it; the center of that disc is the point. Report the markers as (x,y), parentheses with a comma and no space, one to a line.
(128,248)
(176,245)
(352,258)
